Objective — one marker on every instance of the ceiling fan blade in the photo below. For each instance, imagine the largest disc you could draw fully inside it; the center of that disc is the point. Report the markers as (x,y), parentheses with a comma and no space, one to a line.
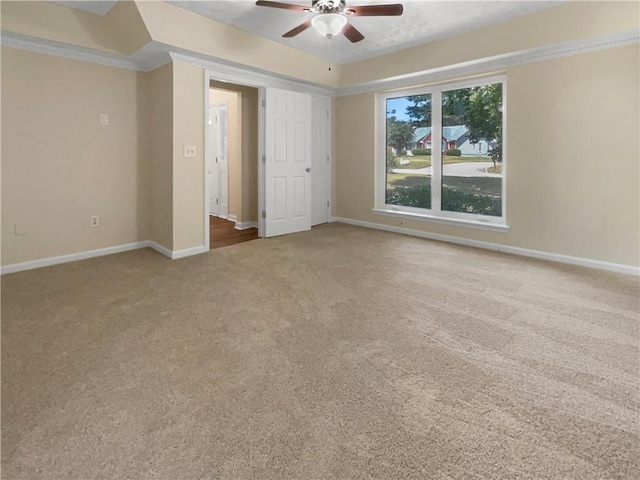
(299,29)
(285,6)
(352,33)
(375,10)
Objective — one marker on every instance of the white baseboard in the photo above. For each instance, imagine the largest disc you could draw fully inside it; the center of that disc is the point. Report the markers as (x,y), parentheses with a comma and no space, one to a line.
(72,257)
(159,248)
(175,254)
(246,225)
(187,252)
(555,257)
(525,252)
(239,225)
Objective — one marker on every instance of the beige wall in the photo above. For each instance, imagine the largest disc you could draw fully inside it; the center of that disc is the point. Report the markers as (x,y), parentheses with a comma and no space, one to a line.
(60,166)
(203,35)
(131,25)
(234,118)
(188,173)
(572,136)
(249,154)
(573,158)
(157,97)
(570,21)
(121,31)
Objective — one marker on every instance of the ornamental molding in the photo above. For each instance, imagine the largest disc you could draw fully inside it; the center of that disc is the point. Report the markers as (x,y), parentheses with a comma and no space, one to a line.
(496,63)
(156,54)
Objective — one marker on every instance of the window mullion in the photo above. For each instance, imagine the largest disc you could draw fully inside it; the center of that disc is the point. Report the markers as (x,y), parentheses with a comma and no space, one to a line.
(436,151)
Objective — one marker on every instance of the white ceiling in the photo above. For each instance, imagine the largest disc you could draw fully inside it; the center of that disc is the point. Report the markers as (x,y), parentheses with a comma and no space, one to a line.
(423,21)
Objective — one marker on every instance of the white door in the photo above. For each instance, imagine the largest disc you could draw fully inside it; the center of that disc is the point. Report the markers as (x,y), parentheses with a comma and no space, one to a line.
(288,162)
(320,163)
(218,164)
(212,168)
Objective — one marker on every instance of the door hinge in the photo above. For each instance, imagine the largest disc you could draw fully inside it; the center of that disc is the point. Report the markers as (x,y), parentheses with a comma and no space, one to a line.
(264,103)
(216,159)
(327,203)
(327,113)
(264,214)
(216,201)
(264,159)
(328,158)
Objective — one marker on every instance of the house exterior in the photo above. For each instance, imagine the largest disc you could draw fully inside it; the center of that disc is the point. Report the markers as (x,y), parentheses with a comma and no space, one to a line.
(469,149)
(452,137)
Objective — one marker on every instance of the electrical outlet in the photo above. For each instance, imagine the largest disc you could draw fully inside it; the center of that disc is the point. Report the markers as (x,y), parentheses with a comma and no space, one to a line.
(104,119)
(95,221)
(190,151)
(402,222)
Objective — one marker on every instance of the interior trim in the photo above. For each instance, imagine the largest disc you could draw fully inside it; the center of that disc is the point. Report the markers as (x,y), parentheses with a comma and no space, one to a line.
(58,49)
(245,225)
(187,252)
(72,257)
(252,77)
(524,252)
(156,54)
(496,63)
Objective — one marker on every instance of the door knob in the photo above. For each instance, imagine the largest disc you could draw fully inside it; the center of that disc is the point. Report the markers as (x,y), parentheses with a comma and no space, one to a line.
(308,169)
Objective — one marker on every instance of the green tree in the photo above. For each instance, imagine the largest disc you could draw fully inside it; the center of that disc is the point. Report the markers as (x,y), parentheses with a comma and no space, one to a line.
(399,133)
(484,118)
(420,111)
(454,107)
(477,107)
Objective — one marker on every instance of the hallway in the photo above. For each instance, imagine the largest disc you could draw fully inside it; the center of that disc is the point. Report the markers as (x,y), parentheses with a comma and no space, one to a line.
(223,233)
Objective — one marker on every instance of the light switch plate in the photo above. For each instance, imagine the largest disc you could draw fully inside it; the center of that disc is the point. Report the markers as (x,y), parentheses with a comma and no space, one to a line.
(190,151)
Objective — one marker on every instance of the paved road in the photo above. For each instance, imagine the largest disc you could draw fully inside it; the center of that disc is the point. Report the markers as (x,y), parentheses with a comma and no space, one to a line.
(466,169)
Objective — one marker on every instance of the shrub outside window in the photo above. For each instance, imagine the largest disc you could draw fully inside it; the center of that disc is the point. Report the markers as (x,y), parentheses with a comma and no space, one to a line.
(444,152)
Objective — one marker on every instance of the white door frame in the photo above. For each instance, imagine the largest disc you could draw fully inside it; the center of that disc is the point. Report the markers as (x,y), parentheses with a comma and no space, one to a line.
(328,185)
(260,81)
(210,75)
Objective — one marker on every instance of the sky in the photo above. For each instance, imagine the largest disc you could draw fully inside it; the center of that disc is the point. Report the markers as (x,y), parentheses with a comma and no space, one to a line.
(400,106)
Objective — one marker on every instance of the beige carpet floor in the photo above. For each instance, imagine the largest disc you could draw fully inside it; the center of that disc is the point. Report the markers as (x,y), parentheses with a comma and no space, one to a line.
(337,353)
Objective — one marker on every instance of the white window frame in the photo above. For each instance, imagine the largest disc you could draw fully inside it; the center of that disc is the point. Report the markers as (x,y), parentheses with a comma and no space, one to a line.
(436,214)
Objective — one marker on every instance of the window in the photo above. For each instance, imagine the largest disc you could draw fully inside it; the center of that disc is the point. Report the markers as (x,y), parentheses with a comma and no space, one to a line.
(444,153)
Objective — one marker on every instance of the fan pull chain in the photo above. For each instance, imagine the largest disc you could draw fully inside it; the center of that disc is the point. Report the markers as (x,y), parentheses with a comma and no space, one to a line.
(329,37)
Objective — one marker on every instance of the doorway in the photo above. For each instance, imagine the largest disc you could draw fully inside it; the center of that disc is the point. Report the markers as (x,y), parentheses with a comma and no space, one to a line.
(272,146)
(231,159)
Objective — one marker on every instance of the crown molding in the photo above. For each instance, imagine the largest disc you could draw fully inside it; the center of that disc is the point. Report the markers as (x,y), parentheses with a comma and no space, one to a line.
(495,63)
(224,70)
(57,49)
(156,54)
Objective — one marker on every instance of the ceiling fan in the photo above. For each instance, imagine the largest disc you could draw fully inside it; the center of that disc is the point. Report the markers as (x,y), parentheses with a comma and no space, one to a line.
(332,16)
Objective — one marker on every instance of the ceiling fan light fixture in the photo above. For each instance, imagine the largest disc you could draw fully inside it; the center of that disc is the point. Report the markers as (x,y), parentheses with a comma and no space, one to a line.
(329,24)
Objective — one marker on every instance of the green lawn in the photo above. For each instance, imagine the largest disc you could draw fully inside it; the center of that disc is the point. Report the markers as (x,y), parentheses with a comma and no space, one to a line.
(424,161)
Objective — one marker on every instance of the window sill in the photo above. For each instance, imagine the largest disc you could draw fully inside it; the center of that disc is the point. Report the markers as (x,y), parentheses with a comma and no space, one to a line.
(479,225)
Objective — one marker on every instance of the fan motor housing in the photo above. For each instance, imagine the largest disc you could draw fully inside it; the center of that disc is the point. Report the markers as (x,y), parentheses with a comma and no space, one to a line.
(328,6)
